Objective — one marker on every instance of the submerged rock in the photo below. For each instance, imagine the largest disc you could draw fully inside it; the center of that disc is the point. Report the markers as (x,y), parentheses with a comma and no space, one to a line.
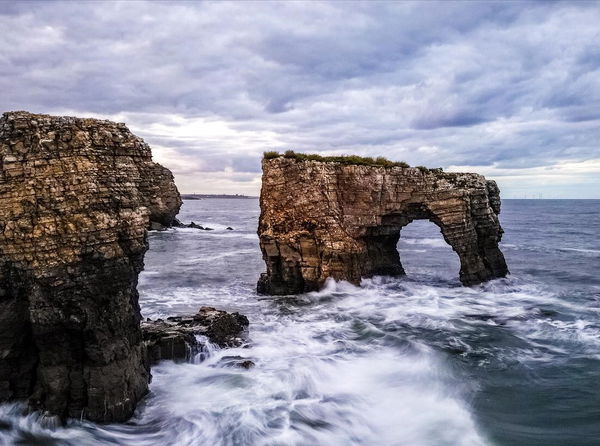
(175,337)
(76,198)
(236,362)
(192,225)
(322,218)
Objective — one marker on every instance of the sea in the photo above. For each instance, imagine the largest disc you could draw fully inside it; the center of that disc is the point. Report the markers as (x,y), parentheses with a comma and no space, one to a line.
(414,360)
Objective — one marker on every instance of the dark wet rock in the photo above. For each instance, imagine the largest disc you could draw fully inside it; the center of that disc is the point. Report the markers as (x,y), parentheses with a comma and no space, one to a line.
(76,198)
(236,362)
(322,219)
(247,364)
(155,226)
(192,225)
(166,341)
(545,312)
(175,337)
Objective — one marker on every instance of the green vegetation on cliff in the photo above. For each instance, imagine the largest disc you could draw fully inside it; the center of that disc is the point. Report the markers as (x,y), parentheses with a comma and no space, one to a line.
(342,159)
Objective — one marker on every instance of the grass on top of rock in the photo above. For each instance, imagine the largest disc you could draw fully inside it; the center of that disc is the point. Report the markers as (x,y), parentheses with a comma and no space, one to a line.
(380,161)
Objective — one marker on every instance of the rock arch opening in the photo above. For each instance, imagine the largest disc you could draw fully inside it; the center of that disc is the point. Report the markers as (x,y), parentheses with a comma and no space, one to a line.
(393,246)
(425,254)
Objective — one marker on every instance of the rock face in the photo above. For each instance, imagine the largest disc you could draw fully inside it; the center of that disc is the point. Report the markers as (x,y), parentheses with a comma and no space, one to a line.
(76,197)
(329,219)
(175,337)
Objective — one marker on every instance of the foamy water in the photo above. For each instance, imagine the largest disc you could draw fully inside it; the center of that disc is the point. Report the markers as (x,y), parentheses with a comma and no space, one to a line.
(419,360)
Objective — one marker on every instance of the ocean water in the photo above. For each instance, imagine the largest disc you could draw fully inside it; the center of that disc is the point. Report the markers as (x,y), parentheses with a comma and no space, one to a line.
(418,360)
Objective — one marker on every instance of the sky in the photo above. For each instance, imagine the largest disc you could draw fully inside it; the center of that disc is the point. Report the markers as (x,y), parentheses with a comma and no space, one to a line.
(510,90)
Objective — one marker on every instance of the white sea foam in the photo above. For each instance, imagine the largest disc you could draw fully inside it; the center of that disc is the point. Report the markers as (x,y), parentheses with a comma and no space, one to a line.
(313,384)
(214,256)
(436,242)
(584,250)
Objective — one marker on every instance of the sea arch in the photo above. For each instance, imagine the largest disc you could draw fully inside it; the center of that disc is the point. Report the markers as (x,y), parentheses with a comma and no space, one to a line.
(323,219)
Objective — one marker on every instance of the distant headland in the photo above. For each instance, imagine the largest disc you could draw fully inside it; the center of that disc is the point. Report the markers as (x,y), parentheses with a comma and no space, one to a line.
(203,196)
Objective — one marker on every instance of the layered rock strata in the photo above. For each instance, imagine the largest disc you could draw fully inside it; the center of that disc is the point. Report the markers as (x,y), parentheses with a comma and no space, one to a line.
(330,219)
(76,198)
(176,338)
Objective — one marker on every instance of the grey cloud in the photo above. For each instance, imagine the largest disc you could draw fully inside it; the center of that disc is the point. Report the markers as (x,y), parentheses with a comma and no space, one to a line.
(246,164)
(489,83)
(450,118)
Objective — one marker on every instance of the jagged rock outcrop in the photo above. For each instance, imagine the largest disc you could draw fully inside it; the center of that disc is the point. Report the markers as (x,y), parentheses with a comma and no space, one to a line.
(332,219)
(192,225)
(175,337)
(76,197)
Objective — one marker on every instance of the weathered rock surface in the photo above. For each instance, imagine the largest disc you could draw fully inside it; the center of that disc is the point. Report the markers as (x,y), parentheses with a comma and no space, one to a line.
(326,219)
(76,198)
(175,337)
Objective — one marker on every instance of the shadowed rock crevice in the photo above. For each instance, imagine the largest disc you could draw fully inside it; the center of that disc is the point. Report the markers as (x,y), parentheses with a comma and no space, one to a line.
(323,219)
(76,198)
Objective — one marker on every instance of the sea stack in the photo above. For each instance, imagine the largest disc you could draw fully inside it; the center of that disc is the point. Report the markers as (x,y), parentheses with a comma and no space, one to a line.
(76,198)
(341,218)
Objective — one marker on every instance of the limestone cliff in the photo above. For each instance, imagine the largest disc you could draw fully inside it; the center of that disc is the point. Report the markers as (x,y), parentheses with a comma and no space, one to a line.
(323,219)
(76,197)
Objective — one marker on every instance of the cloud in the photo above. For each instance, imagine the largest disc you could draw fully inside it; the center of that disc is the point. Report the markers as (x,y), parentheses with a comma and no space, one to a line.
(210,85)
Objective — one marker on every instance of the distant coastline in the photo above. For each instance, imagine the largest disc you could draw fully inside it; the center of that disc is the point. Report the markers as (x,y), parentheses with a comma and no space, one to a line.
(203,196)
